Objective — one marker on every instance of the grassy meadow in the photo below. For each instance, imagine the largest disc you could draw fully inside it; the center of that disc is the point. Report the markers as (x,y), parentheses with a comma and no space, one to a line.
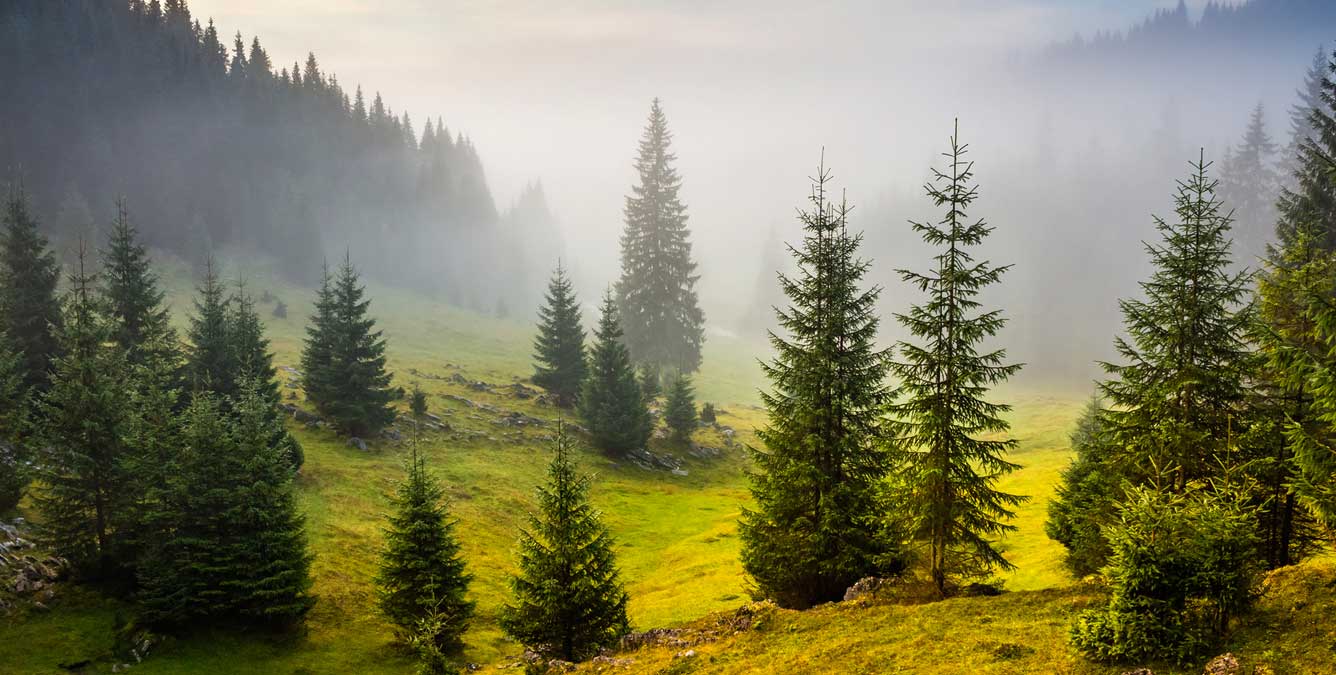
(676,535)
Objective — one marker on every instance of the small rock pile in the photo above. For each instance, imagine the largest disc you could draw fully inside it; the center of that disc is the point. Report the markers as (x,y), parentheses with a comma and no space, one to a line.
(29,575)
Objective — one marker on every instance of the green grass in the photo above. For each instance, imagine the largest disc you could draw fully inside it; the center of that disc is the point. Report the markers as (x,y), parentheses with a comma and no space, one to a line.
(676,535)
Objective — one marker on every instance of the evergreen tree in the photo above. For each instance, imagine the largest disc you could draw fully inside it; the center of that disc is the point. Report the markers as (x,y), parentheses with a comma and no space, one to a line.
(559,349)
(680,409)
(234,547)
(651,385)
(707,413)
(317,348)
(657,291)
(81,435)
(211,360)
(1087,498)
(1177,397)
(1249,184)
(941,419)
(1301,128)
(254,361)
(568,598)
(13,414)
(29,307)
(610,402)
(815,530)
(142,326)
(1308,205)
(352,386)
(422,574)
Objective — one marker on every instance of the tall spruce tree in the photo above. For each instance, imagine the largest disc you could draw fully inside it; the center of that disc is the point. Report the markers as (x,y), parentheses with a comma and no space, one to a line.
(13,420)
(657,292)
(85,491)
(610,401)
(1250,185)
(422,580)
(235,545)
(1307,205)
(1087,496)
(142,326)
(1179,393)
(941,421)
(1309,98)
(353,387)
(816,526)
(211,360)
(559,348)
(29,306)
(254,361)
(568,597)
(317,348)
(679,411)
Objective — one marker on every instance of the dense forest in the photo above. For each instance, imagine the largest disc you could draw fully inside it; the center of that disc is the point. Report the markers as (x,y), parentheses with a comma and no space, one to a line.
(215,144)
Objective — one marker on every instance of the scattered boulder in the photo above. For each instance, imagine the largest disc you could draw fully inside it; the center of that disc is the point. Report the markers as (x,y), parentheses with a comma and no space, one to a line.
(358,443)
(685,654)
(867,587)
(1139,671)
(604,661)
(1225,664)
(391,434)
(680,472)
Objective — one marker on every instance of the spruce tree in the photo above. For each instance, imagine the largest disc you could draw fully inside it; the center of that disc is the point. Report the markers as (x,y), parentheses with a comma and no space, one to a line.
(680,409)
(1087,496)
(1178,394)
(657,291)
(610,402)
(1309,98)
(13,418)
(85,491)
(235,548)
(651,383)
(559,348)
(816,528)
(317,348)
(354,390)
(254,361)
(1249,185)
(211,360)
(950,434)
(142,326)
(422,575)
(1307,205)
(568,598)
(29,306)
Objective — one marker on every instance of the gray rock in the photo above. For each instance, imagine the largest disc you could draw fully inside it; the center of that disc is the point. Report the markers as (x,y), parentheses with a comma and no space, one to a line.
(866,587)
(358,443)
(1225,664)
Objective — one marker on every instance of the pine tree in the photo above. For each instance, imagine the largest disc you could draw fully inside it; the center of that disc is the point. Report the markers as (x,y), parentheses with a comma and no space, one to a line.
(651,383)
(13,420)
(657,291)
(610,402)
(816,526)
(422,574)
(1087,498)
(211,361)
(568,598)
(1308,206)
(235,548)
(29,307)
(1309,97)
(1180,391)
(359,396)
(84,485)
(1249,185)
(559,348)
(133,298)
(680,409)
(949,432)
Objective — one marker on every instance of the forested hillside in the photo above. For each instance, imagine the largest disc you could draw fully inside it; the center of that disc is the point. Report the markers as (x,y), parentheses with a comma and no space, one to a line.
(215,143)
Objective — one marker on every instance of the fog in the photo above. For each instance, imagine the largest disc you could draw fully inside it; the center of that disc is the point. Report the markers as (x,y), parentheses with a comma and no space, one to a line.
(1072,158)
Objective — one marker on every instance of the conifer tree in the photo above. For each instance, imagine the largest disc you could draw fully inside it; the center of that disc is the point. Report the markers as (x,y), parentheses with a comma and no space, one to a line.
(568,597)
(1087,498)
(13,414)
(941,420)
(235,544)
(610,401)
(1249,185)
(559,348)
(352,387)
(657,292)
(1309,98)
(1307,205)
(211,360)
(680,409)
(816,526)
(29,306)
(422,574)
(84,485)
(317,348)
(651,383)
(1179,392)
(254,361)
(142,326)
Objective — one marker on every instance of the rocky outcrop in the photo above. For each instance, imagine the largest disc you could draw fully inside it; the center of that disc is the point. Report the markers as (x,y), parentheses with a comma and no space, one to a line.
(866,587)
(24,572)
(1225,664)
